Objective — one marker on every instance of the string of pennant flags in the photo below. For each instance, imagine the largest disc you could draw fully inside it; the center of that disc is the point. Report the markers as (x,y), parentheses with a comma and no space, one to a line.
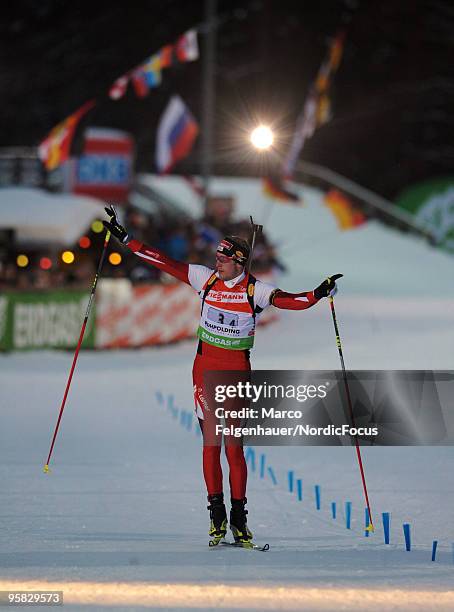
(148,74)
(55,149)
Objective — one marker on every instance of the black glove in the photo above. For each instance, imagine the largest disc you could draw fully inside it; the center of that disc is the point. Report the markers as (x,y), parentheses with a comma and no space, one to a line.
(114,227)
(328,287)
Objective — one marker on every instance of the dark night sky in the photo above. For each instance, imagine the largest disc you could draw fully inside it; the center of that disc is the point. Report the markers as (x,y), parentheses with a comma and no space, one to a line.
(393,94)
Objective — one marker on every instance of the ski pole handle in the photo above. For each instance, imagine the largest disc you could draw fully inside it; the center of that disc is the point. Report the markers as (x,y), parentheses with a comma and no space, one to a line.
(255,229)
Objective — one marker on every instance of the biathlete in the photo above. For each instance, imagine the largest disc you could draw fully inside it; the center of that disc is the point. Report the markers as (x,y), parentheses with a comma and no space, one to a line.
(231,301)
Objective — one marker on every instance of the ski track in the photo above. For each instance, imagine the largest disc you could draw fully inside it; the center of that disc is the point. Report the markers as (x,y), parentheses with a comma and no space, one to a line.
(121,521)
(125,500)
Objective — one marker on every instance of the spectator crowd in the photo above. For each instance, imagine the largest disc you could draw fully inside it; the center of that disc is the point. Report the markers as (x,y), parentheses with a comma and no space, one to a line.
(181,237)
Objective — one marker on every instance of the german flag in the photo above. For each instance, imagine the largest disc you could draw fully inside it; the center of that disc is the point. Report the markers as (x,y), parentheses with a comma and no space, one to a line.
(273,188)
(347,216)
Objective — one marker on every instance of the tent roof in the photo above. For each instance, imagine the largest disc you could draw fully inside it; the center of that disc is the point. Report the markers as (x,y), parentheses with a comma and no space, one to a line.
(38,216)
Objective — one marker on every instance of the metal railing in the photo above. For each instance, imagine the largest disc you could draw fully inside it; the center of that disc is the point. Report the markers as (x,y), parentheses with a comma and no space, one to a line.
(373,204)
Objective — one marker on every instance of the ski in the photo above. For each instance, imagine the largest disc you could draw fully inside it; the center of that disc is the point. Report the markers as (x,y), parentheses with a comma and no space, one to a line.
(215,541)
(247,545)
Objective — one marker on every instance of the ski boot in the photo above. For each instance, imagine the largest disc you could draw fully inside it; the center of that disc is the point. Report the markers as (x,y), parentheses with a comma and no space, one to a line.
(218,516)
(238,525)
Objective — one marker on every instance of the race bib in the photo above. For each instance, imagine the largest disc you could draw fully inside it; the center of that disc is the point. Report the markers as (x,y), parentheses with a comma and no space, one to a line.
(222,318)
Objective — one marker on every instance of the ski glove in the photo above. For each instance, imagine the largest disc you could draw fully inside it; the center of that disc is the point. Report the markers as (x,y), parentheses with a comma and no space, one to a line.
(328,287)
(114,227)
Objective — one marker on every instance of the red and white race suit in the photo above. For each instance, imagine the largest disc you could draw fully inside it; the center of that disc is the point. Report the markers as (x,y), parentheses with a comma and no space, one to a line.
(226,334)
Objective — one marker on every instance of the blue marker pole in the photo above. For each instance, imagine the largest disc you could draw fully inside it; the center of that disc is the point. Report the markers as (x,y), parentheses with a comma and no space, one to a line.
(434,549)
(385,519)
(262,465)
(272,475)
(299,489)
(366,522)
(333,509)
(348,514)
(290,481)
(406,527)
(317,497)
(250,454)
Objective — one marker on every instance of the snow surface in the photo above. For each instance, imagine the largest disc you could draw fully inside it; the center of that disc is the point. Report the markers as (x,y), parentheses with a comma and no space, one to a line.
(121,520)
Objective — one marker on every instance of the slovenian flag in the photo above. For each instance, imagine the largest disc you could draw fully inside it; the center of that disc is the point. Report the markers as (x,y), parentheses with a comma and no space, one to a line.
(177,132)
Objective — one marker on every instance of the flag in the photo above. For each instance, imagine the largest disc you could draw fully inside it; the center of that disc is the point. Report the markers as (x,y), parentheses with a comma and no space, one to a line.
(336,51)
(139,81)
(323,109)
(317,107)
(177,132)
(166,56)
(152,70)
(331,64)
(186,47)
(196,185)
(273,188)
(148,74)
(305,127)
(323,75)
(119,87)
(347,216)
(56,147)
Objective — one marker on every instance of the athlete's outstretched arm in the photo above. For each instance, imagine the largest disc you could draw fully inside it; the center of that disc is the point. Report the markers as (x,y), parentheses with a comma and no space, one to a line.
(306,299)
(151,255)
(160,260)
(293,301)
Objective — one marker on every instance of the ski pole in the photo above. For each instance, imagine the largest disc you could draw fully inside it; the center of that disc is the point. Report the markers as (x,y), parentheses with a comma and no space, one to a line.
(76,354)
(370,527)
(255,229)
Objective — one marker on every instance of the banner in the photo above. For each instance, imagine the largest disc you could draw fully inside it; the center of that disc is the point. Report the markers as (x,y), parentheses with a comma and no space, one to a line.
(145,315)
(123,315)
(432,204)
(47,319)
(105,168)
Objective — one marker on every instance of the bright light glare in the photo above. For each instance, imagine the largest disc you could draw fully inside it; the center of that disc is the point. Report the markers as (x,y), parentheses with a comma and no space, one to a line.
(97,226)
(67,257)
(115,259)
(262,137)
(22,261)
